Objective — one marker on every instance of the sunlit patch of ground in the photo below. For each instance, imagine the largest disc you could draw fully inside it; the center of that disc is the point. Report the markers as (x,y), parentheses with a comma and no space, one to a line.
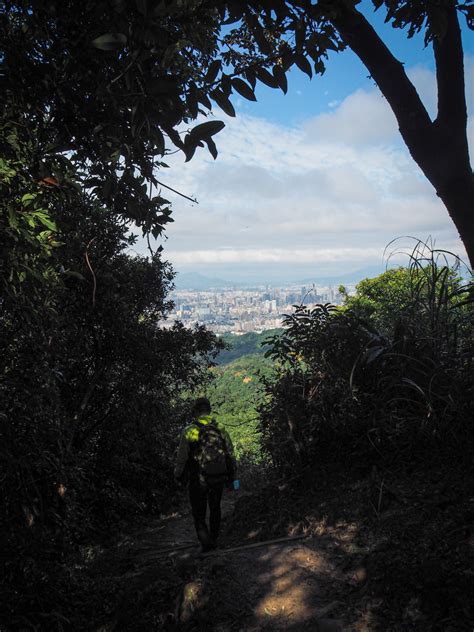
(291,583)
(287,586)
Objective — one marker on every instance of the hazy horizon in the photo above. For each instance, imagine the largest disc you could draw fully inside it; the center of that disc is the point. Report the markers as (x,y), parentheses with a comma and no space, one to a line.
(277,275)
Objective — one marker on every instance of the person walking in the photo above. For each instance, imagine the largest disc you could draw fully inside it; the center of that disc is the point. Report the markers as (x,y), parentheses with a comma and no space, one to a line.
(206,460)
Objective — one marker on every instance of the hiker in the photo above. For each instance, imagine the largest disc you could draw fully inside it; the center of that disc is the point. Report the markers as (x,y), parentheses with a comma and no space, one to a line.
(205,459)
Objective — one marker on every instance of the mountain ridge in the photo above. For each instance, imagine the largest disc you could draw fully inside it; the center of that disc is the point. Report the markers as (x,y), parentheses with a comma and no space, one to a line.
(198,281)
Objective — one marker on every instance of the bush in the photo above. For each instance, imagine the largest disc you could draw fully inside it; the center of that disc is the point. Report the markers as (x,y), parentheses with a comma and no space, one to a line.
(347,390)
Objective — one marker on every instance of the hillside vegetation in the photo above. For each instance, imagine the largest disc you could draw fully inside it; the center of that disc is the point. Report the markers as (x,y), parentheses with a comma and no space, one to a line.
(246,344)
(355,430)
(235,395)
(236,389)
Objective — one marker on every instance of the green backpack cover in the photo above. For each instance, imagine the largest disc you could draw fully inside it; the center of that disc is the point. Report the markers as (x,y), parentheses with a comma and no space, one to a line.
(211,453)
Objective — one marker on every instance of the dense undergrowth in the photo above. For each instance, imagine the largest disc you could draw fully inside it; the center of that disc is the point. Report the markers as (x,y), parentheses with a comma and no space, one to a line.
(387,379)
(92,399)
(368,424)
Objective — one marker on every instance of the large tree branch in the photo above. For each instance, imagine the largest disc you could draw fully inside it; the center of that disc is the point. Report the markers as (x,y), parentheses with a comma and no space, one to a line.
(389,74)
(439,148)
(448,54)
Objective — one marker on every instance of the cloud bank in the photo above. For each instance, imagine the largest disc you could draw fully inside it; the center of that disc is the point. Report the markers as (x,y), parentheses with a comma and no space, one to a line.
(335,188)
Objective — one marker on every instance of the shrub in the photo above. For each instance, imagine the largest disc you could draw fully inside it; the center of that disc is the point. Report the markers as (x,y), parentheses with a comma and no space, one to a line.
(379,383)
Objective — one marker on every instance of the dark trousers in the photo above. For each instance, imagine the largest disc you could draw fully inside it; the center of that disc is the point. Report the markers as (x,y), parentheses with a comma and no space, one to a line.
(201,494)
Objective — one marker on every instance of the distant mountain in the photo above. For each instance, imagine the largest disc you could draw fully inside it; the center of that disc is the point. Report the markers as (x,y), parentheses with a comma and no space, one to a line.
(196,281)
(201,282)
(348,277)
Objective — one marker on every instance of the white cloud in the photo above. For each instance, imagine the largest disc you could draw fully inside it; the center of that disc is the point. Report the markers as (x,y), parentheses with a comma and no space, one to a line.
(274,255)
(338,187)
(363,118)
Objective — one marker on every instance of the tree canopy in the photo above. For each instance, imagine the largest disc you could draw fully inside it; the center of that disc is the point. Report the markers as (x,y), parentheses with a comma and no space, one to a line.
(93,92)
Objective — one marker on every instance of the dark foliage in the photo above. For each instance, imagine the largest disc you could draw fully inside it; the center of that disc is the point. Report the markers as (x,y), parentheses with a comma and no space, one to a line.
(90,387)
(97,89)
(346,392)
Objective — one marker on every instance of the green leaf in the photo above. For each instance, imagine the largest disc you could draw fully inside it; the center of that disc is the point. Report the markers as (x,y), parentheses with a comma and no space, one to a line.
(265,77)
(110,41)
(223,102)
(203,100)
(206,130)
(212,71)
(280,76)
(28,198)
(304,65)
(45,220)
(211,145)
(12,218)
(243,89)
(225,84)
(251,77)
(175,137)
(189,149)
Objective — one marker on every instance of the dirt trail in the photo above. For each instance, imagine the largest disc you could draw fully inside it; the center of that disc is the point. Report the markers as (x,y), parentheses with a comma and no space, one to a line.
(397,563)
(299,585)
(280,587)
(286,586)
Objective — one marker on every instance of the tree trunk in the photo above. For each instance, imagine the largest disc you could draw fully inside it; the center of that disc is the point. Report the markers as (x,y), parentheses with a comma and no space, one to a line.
(458,197)
(438,147)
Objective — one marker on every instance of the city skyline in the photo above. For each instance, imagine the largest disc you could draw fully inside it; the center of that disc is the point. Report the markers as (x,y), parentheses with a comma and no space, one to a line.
(244,310)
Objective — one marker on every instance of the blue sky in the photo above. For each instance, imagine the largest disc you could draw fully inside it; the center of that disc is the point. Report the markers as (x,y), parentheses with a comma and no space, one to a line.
(315,182)
(345,73)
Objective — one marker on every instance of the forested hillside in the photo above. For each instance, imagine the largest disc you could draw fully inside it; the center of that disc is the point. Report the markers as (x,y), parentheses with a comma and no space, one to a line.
(235,394)
(240,345)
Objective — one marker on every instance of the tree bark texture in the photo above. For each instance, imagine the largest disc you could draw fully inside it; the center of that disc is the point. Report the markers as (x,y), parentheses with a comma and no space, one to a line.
(439,147)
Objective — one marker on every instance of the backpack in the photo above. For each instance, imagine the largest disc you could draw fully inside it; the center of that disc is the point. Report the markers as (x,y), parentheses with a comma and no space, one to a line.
(210,454)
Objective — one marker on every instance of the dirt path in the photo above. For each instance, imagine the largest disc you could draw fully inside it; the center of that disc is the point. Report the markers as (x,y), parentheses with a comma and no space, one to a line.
(366,565)
(294,586)
(287,586)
